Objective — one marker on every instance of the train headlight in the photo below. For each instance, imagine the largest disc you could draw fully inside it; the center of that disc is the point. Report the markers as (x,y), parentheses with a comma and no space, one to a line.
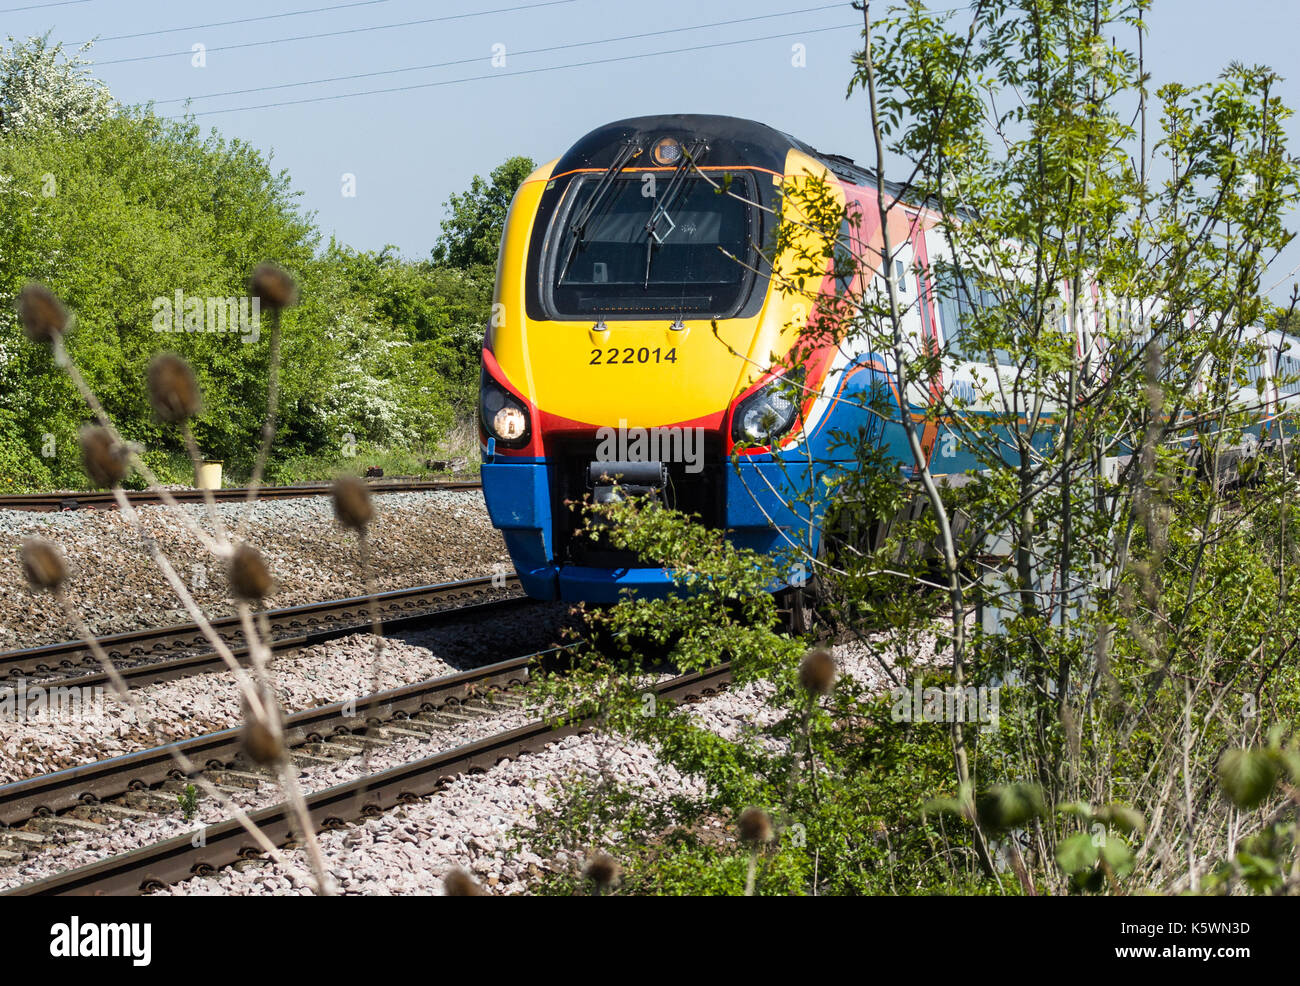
(503,417)
(766,414)
(667,151)
(509,423)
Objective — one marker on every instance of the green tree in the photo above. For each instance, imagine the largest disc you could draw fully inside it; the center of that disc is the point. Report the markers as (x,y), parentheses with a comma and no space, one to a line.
(471,233)
(40,88)
(115,218)
(118,210)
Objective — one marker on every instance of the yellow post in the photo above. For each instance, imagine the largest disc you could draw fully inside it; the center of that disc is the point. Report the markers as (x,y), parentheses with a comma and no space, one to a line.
(209,477)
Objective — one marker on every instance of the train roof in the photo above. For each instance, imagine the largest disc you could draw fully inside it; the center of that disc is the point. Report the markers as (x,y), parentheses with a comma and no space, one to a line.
(732,140)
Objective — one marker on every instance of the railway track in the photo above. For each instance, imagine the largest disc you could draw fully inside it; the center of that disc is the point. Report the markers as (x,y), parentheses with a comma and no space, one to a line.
(307,733)
(105,501)
(71,662)
(76,798)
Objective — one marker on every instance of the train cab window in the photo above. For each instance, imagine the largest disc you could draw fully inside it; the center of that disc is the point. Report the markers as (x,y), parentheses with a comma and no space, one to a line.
(681,251)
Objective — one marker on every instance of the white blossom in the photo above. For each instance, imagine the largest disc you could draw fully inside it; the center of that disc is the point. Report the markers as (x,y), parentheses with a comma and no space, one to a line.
(40,87)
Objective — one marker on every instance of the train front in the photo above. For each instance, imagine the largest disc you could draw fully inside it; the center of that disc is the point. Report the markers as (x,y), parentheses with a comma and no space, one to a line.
(601,364)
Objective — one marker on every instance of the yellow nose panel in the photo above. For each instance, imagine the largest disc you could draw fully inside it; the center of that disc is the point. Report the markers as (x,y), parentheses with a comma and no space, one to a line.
(645,373)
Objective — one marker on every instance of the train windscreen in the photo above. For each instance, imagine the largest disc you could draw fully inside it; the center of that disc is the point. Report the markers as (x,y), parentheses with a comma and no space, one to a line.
(650,246)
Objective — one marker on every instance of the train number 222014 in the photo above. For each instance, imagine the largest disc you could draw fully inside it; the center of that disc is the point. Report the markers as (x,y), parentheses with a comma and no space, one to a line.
(610,357)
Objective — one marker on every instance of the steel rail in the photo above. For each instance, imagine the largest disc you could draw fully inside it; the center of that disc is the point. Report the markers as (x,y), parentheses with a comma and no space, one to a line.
(104,500)
(224,843)
(344,616)
(89,783)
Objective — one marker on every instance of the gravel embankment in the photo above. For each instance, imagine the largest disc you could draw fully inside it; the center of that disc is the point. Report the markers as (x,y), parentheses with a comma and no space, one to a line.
(319,675)
(416,538)
(410,849)
(326,673)
(81,849)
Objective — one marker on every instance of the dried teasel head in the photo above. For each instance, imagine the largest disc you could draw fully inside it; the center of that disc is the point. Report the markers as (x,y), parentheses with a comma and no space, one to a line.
(458,883)
(602,869)
(755,827)
(352,506)
(273,287)
(173,389)
(249,577)
(259,743)
(102,456)
(43,564)
(817,671)
(41,312)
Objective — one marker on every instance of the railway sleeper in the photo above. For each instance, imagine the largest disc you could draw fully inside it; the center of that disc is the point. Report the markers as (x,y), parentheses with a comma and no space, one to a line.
(496,704)
(448,717)
(180,786)
(421,726)
(103,813)
(328,752)
(509,699)
(261,771)
(228,778)
(159,802)
(62,824)
(20,841)
(357,741)
(306,759)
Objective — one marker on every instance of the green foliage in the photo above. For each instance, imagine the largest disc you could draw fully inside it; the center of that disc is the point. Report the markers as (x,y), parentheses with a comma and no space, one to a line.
(142,209)
(847,782)
(1247,776)
(471,233)
(1143,611)
(188,801)
(40,89)
(1009,806)
(20,468)
(312,468)
(117,212)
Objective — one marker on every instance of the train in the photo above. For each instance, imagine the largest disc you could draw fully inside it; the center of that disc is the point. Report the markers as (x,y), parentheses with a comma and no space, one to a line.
(640,341)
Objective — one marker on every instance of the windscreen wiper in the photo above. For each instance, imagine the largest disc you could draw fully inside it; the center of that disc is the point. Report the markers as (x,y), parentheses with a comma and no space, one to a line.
(578,228)
(675,186)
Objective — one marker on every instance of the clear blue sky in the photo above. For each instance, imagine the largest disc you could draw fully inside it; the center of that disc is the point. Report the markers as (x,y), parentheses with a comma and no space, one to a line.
(409,150)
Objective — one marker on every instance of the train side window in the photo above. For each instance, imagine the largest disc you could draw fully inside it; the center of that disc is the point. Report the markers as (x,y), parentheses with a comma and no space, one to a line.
(958,298)
(1289,372)
(1256,372)
(844,259)
(945,295)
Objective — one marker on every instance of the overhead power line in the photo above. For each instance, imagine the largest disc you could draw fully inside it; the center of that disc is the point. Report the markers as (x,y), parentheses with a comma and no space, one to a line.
(42,6)
(532,71)
(241,20)
(513,54)
(336,34)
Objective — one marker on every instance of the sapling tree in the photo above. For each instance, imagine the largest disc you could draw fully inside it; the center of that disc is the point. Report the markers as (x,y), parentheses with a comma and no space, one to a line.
(1103,466)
